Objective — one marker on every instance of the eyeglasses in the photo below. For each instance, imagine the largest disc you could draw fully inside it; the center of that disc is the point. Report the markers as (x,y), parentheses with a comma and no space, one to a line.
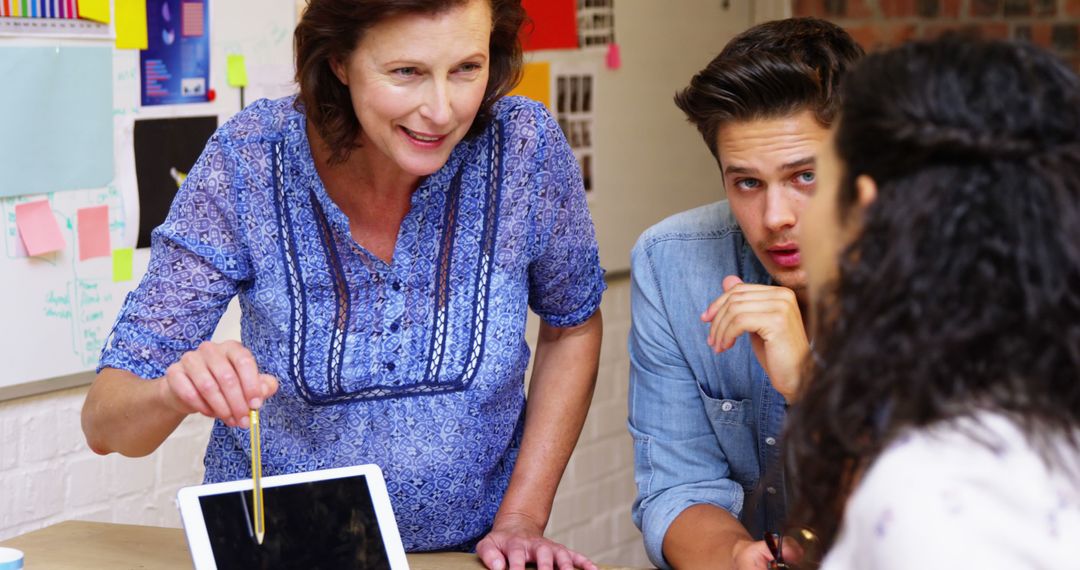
(776,547)
(807,550)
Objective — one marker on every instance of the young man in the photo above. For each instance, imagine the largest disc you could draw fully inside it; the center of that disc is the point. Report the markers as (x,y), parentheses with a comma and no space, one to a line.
(717,302)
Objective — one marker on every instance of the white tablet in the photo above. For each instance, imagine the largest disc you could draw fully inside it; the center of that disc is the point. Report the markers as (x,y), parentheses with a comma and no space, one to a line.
(333,518)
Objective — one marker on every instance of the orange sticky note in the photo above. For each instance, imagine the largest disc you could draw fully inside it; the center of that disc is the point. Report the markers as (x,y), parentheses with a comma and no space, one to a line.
(96,10)
(131,24)
(94,232)
(38,228)
(536,82)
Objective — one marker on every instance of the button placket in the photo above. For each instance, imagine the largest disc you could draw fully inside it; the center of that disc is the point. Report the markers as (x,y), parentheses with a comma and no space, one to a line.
(395,297)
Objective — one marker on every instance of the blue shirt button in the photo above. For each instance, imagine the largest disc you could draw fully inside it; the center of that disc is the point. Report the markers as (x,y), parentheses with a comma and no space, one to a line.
(390,366)
(394,327)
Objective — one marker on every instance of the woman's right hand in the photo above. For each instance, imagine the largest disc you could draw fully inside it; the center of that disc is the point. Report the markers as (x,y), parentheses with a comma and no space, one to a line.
(219,380)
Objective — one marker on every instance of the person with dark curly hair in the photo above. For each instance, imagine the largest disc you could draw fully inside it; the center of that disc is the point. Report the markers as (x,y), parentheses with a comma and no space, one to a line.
(706,413)
(386,231)
(939,423)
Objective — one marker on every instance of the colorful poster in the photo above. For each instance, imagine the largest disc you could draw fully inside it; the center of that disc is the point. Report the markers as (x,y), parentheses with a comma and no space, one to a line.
(176,65)
(64,9)
(55,18)
(165,151)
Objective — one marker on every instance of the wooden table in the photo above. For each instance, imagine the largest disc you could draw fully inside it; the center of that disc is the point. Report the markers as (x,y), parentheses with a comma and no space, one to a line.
(80,545)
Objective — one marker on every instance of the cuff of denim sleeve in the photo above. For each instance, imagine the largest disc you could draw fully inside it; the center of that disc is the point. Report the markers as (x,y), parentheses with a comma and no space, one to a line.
(658,517)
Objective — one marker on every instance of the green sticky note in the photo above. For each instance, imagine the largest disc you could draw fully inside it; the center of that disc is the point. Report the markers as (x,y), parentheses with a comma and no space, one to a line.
(237,71)
(121,264)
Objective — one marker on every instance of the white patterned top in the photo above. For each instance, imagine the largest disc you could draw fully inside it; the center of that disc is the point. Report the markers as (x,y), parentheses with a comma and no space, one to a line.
(937,498)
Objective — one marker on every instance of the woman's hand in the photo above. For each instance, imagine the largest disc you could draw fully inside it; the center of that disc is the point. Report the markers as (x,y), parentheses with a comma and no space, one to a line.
(515,540)
(219,380)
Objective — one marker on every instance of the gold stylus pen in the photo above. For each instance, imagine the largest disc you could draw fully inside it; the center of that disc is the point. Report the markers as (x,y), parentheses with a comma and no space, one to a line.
(256,478)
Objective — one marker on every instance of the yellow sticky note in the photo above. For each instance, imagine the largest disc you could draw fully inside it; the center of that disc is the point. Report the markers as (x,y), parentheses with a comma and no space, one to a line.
(536,82)
(236,71)
(121,264)
(131,24)
(96,10)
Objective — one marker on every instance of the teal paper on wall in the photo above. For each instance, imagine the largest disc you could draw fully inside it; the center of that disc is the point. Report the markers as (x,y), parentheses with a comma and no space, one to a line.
(56,124)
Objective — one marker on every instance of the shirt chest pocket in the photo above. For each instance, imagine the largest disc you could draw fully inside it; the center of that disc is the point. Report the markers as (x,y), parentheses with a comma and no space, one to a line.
(733,423)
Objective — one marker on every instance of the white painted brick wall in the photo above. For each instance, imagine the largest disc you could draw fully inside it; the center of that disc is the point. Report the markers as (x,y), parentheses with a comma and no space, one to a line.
(592,507)
(47,474)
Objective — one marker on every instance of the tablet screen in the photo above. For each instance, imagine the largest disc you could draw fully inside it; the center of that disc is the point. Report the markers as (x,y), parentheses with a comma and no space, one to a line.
(317,524)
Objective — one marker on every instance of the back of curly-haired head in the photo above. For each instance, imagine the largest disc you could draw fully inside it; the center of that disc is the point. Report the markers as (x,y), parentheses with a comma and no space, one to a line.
(772,70)
(961,292)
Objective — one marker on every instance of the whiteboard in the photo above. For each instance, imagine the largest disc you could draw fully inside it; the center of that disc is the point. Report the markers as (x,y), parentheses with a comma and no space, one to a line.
(57,310)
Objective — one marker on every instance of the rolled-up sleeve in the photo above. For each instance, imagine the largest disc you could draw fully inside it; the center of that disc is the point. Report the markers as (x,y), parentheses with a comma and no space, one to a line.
(197,260)
(566,281)
(678,462)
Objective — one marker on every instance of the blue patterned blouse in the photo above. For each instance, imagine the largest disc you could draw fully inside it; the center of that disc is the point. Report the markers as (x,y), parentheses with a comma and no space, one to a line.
(417,366)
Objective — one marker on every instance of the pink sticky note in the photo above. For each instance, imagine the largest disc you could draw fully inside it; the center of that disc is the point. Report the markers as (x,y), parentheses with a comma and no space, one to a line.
(614,59)
(94,232)
(38,228)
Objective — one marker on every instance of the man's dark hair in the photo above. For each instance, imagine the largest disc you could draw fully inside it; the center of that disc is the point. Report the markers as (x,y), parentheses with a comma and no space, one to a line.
(772,70)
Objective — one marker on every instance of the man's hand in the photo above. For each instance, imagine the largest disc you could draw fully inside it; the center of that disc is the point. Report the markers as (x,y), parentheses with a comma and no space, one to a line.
(772,316)
(755,555)
(751,555)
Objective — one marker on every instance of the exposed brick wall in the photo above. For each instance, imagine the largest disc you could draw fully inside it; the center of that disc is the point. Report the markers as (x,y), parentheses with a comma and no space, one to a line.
(1053,24)
(48,475)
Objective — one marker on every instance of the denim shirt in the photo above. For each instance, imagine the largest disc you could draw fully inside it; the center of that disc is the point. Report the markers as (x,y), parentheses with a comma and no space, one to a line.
(705,425)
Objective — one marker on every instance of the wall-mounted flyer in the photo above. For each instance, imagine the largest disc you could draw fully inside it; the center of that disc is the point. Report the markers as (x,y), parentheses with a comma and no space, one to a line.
(176,66)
